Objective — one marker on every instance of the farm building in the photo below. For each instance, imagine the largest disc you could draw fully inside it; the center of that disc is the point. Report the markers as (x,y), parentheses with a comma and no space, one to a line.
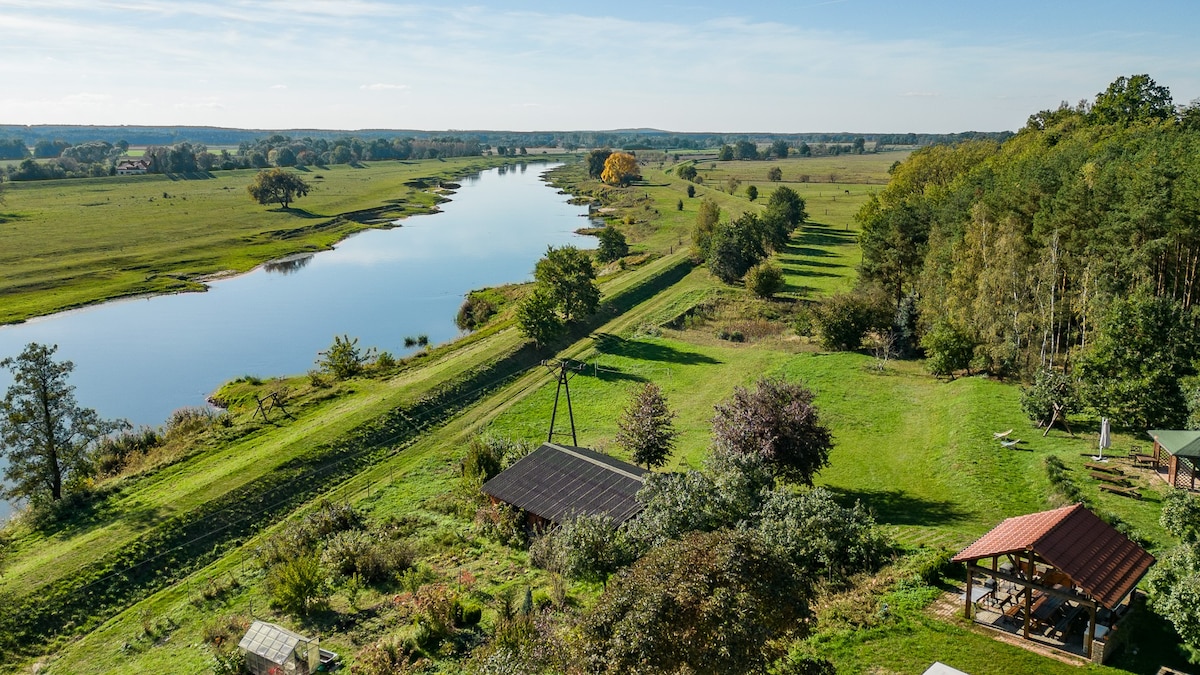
(1180,451)
(272,649)
(130,167)
(558,482)
(1063,578)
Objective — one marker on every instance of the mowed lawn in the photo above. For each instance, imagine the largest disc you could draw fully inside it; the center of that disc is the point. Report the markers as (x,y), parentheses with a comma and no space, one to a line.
(65,243)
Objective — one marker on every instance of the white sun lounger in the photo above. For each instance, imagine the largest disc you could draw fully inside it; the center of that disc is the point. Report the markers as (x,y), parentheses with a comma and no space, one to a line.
(1001,434)
(1009,444)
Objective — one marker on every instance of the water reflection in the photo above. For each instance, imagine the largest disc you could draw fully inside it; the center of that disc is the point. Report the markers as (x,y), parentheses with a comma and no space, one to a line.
(289,265)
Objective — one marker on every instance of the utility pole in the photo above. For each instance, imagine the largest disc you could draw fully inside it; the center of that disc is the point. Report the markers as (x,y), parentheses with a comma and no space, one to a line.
(566,370)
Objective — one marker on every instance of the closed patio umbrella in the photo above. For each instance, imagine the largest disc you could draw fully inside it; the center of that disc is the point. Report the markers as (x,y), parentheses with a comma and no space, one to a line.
(1105,437)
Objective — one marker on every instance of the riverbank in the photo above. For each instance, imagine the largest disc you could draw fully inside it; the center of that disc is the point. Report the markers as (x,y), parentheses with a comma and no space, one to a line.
(73,243)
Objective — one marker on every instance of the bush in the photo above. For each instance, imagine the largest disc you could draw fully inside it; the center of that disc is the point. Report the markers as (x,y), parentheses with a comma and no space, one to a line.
(765,279)
(843,320)
(612,244)
(113,453)
(189,420)
(947,349)
(371,557)
(298,585)
(1049,387)
(344,359)
(385,361)
(475,311)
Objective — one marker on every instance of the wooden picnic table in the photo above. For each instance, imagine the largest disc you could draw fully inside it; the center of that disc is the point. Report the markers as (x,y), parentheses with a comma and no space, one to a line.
(1106,468)
(1111,479)
(1124,491)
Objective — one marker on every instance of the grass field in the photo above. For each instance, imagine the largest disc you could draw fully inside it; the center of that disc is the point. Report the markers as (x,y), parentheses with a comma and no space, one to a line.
(918,451)
(67,243)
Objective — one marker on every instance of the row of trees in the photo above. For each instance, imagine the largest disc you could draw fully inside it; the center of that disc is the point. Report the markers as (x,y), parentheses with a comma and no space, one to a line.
(1055,248)
(99,158)
(732,248)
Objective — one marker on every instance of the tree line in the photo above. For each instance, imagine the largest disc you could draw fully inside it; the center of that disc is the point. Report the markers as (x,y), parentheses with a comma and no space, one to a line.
(100,158)
(1071,247)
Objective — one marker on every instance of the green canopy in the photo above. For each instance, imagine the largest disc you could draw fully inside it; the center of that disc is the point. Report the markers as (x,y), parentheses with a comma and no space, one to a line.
(1178,442)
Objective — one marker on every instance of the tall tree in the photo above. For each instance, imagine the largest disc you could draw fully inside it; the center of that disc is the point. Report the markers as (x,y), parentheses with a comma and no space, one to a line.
(619,169)
(646,429)
(569,277)
(277,185)
(779,422)
(44,432)
(538,318)
(1134,99)
(612,244)
(596,160)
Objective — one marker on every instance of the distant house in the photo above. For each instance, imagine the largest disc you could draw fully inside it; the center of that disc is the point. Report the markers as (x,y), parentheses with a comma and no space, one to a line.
(558,482)
(131,167)
(272,649)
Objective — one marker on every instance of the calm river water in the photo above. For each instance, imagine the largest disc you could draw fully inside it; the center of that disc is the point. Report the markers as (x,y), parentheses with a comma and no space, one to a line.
(143,358)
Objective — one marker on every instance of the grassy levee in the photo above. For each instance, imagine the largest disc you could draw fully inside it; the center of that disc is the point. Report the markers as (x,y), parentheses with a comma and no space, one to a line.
(105,584)
(68,243)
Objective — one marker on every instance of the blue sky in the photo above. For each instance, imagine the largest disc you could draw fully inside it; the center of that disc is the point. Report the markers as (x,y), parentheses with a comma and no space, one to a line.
(836,65)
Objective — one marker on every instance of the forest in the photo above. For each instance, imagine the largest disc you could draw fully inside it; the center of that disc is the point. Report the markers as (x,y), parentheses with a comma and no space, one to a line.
(1071,248)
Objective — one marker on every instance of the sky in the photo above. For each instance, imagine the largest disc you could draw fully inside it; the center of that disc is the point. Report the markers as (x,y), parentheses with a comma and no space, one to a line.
(869,66)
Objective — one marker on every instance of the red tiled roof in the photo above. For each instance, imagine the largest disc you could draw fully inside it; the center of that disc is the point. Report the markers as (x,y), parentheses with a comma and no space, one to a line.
(1100,560)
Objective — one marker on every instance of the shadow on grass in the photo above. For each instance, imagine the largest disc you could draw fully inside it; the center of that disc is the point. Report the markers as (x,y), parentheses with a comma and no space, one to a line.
(190,175)
(607,343)
(6,217)
(896,507)
(298,213)
(823,235)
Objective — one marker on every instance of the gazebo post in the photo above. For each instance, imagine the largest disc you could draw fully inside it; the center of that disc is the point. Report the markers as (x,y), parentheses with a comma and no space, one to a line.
(1091,636)
(970,582)
(1028,595)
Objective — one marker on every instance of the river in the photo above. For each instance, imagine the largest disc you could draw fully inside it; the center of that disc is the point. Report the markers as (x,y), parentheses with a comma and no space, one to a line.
(140,359)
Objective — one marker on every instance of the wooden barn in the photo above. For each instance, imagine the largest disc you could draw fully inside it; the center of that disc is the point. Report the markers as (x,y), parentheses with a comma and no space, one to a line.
(555,483)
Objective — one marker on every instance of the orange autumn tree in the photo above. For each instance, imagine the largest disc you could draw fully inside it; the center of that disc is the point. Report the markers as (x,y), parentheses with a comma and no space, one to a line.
(619,169)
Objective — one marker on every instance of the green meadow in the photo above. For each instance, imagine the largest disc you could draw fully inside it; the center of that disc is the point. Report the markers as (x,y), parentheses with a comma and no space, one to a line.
(918,451)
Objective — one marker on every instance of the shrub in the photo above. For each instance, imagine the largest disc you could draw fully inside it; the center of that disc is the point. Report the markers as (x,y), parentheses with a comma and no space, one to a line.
(113,453)
(367,555)
(189,420)
(765,279)
(344,359)
(298,585)
(612,244)
(1049,388)
(843,320)
(385,361)
(475,311)
(947,349)
(504,523)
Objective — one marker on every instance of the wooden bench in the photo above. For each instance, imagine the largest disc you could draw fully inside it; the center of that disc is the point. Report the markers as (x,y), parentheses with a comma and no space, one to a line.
(1096,466)
(1125,491)
(1109,478)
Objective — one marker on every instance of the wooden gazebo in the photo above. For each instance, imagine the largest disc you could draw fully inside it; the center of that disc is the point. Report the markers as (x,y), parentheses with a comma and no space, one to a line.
(1062,563)
(1180,451)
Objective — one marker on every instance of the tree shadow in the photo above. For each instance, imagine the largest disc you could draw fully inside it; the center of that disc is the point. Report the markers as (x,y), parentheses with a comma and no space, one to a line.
(607,343)
(610,374)
(896,507)
(297,212)
(6,217)
(190,175)
(822,235)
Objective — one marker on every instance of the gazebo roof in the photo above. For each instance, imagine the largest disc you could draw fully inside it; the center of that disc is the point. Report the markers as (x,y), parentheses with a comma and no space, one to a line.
(1104,563)
(1178,442)
(558,482)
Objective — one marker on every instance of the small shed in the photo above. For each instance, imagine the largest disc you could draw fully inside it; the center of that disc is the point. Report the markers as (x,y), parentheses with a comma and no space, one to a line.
(1051,567)
(275,650)
(1180,451)
(558,482)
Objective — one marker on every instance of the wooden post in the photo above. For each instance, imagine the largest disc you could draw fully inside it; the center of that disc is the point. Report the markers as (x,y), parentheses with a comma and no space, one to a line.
(970,582)
(1091,636)
(1028,596)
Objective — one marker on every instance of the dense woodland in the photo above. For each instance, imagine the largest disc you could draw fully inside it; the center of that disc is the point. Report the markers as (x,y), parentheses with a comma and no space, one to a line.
(1072,247)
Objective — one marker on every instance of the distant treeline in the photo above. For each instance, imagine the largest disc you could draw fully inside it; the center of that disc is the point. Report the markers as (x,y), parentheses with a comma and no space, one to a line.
(1074,247)
(18,142)
(60,159)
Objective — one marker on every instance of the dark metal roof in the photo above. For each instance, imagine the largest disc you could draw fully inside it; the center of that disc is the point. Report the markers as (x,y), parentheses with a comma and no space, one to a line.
(558,482)
(1100,560)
